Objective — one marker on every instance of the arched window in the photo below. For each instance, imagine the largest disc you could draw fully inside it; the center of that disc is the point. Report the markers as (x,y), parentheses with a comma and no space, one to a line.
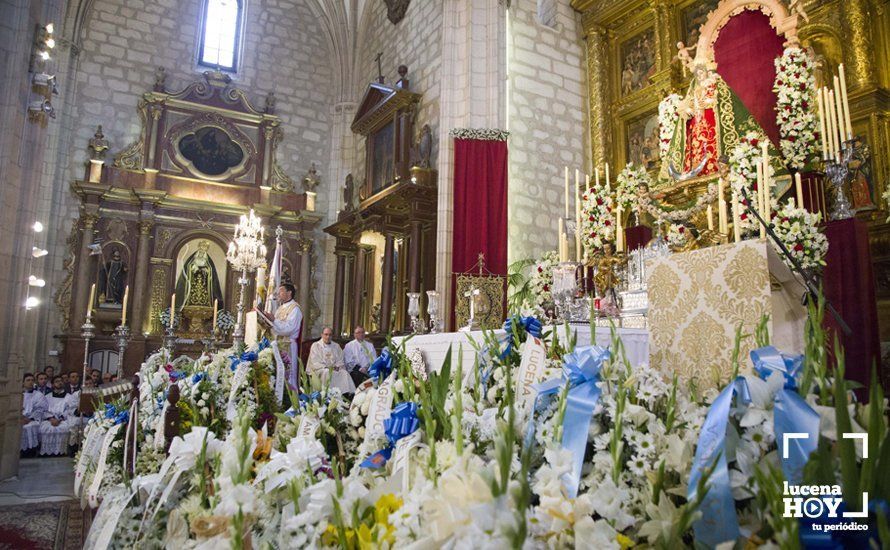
(221,34)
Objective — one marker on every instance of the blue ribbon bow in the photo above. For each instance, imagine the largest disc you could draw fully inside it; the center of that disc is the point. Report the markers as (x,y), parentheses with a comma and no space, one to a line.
(582,371)
(305,399)
(381,367)
(120,417)
(198,376)
(531,325)
(402,422)
(791,414)
(264,343)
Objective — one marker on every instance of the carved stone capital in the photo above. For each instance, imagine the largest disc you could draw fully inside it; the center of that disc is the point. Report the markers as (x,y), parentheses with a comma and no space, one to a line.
(88,220)
(305,246)
(145,227)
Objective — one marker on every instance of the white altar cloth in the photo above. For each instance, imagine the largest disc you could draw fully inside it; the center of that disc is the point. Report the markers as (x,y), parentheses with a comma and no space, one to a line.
(435,346)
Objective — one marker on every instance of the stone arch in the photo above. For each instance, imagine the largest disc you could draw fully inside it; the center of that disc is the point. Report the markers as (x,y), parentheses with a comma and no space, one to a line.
(784,22)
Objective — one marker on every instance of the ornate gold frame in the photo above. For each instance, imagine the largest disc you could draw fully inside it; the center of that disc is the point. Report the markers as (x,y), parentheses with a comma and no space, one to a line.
(491,287)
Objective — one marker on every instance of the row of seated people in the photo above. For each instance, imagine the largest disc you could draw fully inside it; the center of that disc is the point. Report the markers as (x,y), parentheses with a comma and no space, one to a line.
(51,420)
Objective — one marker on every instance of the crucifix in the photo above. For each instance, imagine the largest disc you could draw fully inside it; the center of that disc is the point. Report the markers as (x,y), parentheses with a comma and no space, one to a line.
(379,68)
(471,295)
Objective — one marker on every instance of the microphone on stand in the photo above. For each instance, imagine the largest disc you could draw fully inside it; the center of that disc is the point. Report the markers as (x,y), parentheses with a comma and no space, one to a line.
(803,273)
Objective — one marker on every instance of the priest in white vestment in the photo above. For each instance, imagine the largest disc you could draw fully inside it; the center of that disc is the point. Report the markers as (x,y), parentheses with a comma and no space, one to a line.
(326,362)
(358,354)
(56,427)
(33,410)
(287,327)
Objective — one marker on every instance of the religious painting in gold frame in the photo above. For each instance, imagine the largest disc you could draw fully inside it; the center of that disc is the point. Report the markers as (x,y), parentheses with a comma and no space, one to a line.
(642,142)
(489,308)
(693,17)
(636,62)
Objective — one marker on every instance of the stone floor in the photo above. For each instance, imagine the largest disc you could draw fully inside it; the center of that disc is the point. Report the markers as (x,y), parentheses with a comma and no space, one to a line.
(39,480)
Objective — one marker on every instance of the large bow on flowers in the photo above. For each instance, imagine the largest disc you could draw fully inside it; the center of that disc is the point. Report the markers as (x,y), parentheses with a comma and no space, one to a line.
(402,422)
(381,367)
(531,326)
(248,356)
(791,414)
(581,369)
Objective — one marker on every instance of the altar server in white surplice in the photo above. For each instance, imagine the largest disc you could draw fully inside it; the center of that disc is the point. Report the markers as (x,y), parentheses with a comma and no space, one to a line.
(358,354)
(33,410)
(287,326)
(56,427)
(326,362)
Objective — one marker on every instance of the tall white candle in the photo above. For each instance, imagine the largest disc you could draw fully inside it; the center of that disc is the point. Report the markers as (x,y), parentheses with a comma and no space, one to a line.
(215,311)
(92,299)
(798,186)
(172,309)
(736,220)
(608,184)
(832,124)
(721,206)
(710,217)
(839,105)
(577,215)
(766,182)
(822,130)
(763,208)
(567,192)
(596,177)
(561,237)
(124,305)
(846,102)
(619,230)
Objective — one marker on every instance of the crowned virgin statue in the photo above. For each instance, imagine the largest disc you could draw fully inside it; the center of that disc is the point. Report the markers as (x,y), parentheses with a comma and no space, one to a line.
(710,121)
(198,283)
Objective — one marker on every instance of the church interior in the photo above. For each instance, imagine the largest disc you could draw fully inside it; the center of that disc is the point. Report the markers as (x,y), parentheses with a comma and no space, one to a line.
(444,273)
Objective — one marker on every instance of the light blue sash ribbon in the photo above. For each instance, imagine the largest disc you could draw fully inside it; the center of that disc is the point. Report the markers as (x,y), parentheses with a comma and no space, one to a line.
(582,371)
(381,367)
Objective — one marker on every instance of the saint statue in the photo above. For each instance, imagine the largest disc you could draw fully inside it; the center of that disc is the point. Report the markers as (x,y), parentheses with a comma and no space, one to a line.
(112,279)
(711,121)
(198,283)
(606,276)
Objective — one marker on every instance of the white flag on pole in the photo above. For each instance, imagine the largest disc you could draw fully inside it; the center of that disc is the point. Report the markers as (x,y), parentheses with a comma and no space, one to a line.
(274,276)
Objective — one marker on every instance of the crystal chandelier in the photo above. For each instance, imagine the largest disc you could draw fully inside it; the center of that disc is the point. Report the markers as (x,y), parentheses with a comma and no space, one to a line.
(246,253)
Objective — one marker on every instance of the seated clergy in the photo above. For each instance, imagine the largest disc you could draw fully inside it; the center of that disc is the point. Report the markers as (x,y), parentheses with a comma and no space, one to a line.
(33,409)
(43,384)
(326,362)
(73,382)
(54,430)
(358,355)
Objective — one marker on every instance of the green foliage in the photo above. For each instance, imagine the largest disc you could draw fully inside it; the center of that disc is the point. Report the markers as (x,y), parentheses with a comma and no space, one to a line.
(770,502)
(519,287)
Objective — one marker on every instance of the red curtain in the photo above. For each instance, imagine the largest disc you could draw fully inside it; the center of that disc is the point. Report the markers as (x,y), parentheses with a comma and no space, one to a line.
(480,206)
(745,52)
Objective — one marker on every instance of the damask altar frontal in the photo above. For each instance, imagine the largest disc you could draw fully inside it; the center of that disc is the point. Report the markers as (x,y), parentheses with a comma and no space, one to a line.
(698,299)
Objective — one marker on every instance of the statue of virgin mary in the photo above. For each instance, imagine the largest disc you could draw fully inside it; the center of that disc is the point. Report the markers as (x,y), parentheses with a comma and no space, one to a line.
(198,283)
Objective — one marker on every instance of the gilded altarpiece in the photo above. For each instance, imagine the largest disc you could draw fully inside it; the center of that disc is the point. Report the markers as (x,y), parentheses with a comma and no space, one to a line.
(159,217)
(853,32)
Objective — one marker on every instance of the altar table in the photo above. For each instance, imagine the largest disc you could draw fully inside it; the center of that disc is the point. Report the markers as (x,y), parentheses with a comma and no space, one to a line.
(435,346)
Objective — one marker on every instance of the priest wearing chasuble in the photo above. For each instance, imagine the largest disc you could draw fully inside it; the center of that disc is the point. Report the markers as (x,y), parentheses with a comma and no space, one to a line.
(287,326)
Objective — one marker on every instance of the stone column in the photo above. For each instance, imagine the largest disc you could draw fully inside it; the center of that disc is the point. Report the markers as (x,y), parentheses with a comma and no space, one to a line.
(305,281)
(386,292)
(858,52)
(597,80)
(140,280)
(414,256)
(340,275)
(83,280)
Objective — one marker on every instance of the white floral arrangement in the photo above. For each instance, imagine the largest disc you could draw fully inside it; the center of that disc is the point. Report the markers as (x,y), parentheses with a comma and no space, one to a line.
(542,278)
(225,321)
(627,184)
(668,114)
(795,88)
(677,236)
(798,229)
(597,219)
(164,319)
(743,176)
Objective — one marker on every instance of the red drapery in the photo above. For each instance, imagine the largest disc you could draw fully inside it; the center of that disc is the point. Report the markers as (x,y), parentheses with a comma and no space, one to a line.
(480,206)
(745,52)
(848,282)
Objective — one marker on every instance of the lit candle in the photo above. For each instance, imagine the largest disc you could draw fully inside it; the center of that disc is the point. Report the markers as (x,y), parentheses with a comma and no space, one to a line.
(567,192)
(839,105)
(822,131)
(798,186)
(846,102)
(124,305)
(92,300)
(765,187)
(577,216)
(172,308)
(215,310)
(710,218)
(736,220)
(761,185)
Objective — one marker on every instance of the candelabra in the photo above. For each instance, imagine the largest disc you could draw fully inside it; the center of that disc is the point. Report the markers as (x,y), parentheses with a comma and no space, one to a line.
(837,170)
(564,287)
(417,326)
(169,340)
(432,310)
(246,253)
(121,337)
